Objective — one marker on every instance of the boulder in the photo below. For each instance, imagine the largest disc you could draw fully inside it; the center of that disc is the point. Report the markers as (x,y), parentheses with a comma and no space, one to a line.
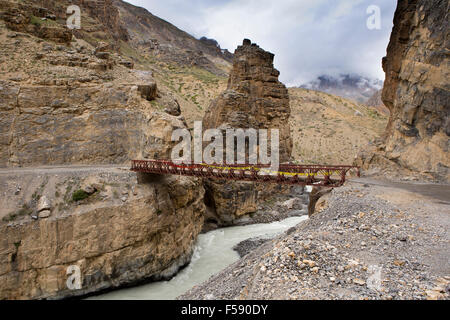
(148,91)
(43,204)
(317,195)
(172,106)
(126,63)
(89,189)
(291,203)
(44,214)
(102,47)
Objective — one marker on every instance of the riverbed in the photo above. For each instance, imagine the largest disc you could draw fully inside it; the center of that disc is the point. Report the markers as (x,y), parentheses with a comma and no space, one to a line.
(213,252)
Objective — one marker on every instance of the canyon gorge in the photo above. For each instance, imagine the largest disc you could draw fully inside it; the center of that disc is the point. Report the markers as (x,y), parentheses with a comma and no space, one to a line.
(77,105)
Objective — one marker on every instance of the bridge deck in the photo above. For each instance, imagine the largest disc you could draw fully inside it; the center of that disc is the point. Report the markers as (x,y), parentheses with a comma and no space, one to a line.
(312,175)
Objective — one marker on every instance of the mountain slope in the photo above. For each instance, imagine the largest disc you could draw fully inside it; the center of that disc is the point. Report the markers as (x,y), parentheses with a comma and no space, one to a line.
(376,102)
(349,86)
(327,129)
(154,36)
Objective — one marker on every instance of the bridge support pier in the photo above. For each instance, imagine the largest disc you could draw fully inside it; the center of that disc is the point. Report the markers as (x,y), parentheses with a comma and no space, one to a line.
(314,196)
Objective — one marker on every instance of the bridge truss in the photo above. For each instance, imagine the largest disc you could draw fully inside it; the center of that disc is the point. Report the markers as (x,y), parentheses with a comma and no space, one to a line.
(306,175)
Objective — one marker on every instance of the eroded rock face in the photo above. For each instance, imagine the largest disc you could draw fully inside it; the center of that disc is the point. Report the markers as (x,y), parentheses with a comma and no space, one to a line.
(416,91)
(46,125)
(17,17)
(254,99)
(149,237)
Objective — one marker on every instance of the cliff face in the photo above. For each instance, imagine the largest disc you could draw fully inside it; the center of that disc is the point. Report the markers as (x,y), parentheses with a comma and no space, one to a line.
(67,98)
(148,234)
(75,103)
(416,91)
(254,99)
(48,125)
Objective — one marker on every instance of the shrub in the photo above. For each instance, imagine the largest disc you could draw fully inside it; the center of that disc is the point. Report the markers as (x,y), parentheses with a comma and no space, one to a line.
(79,195)
(36,21)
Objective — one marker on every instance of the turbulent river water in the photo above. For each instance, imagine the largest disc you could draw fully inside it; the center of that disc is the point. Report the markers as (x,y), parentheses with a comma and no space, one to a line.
(213,252)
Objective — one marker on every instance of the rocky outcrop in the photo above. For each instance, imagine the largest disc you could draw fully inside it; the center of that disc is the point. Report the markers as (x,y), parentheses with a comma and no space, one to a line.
(31,18)
(112,242)
(78,104)
(108,14)
(416,91)
(254,99)
(317,199)
(44,19)
(89,124)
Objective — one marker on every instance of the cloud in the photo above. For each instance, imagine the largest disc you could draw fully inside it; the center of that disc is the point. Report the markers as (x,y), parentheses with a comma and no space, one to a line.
(308,37)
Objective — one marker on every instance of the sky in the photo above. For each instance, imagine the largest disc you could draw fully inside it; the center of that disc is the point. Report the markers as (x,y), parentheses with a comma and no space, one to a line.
(308,37)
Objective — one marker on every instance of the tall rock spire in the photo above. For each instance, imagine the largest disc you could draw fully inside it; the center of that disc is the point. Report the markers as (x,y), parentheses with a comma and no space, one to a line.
(255,98)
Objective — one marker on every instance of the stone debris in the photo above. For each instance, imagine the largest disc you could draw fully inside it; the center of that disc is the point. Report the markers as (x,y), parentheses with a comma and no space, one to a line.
(350,250)
(291,203)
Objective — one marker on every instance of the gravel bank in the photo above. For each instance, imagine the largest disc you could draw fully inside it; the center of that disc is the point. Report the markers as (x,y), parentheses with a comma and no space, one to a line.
(243,248)
(369,242)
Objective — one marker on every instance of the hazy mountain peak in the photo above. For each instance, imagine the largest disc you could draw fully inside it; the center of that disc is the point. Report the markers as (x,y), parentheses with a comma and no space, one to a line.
(350,86)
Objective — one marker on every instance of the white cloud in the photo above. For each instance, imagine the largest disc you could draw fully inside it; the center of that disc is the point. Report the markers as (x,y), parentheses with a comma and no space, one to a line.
(308,37)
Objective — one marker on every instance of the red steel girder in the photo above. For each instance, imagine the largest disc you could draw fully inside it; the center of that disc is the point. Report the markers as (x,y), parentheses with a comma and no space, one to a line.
(312,175)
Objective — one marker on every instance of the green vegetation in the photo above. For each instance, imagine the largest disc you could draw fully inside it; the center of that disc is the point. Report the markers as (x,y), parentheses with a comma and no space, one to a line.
(39,22)
(24,211)
(68,189)
(203,75)
(373,114)
(79,195)
(128,51)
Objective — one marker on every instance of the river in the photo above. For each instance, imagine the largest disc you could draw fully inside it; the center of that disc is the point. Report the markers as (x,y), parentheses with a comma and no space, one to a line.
(213,253)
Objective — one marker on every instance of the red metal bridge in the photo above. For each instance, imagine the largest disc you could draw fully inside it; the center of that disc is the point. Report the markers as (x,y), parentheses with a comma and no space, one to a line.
(312,175)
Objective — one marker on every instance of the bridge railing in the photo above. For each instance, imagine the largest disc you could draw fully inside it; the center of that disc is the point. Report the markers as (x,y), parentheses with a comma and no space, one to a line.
(329,176)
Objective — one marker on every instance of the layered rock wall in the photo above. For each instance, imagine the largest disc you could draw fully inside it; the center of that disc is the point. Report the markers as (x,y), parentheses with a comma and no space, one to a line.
(48,125)
(254,97)
(115,244)
(416,91)
(71,100)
